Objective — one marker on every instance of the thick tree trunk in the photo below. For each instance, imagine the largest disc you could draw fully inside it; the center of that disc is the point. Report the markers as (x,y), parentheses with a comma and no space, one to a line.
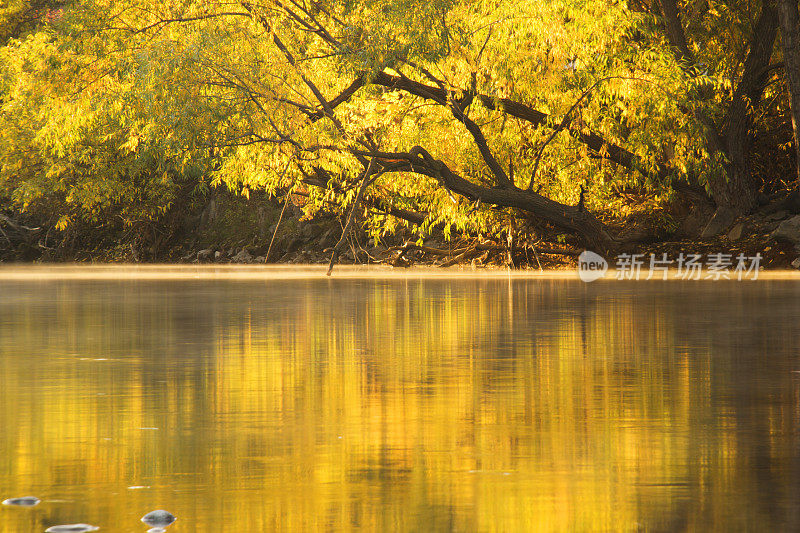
(674,30)
(734,196)
(735,193)
(738,192)
(790,41)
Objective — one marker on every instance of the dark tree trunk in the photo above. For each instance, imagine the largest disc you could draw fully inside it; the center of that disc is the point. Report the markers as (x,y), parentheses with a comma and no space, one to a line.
(790,41)
(674,30)
(734,193)
(737,193)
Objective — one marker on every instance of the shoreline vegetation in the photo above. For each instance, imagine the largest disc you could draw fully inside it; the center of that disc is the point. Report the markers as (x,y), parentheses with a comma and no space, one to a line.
(235,230)
(510,135)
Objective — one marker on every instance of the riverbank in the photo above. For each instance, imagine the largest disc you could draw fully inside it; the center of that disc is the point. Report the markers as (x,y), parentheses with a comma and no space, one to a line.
(234,230)
(774,238)
(229,272)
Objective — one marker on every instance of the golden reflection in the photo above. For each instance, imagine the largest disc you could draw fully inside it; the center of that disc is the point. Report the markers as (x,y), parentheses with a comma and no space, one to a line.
(400,405)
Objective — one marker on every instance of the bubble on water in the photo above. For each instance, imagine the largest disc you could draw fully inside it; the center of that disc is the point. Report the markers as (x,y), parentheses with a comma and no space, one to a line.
(158,519)
(71,528)
(25,501)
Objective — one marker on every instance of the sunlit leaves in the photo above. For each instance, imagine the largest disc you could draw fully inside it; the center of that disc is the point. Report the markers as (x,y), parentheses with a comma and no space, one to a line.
(127,105)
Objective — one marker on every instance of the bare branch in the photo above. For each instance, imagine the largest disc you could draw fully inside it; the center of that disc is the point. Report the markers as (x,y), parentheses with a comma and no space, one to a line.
(164,22)
(356,203)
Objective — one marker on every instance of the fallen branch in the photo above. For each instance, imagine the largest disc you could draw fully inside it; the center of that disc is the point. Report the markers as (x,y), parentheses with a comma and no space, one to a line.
(461,257)
(482,247)
(15,226)
(427,249)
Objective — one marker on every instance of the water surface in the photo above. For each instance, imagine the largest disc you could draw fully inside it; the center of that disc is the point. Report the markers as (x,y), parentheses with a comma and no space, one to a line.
(415,403)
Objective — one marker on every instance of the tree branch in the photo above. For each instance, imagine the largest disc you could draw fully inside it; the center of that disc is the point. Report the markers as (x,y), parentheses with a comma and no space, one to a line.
(565,217)
(163,22)
(675,33)
(356,203)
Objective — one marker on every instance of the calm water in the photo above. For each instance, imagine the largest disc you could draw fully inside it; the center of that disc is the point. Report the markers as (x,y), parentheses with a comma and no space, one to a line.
(483,404)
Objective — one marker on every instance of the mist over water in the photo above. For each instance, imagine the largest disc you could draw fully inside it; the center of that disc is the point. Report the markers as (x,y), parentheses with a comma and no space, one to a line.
(408,403)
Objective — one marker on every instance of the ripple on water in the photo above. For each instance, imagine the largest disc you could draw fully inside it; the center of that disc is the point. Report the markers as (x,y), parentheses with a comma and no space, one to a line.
(158,520)
(71,528)
(25,501)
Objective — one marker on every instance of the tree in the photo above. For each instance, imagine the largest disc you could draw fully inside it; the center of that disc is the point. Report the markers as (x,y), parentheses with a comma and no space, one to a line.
(454,114)
(80,135)
(315,45)
(790,41)
(730,135)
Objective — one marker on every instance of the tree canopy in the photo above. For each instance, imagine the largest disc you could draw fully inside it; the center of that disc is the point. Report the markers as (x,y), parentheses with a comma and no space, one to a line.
(463,115)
